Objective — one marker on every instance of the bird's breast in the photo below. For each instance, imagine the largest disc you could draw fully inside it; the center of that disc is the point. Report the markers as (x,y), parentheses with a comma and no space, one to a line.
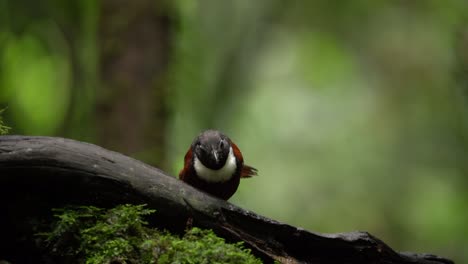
(221,175)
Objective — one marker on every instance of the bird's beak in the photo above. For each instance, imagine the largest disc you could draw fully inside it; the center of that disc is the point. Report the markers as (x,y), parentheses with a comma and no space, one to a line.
(215,155)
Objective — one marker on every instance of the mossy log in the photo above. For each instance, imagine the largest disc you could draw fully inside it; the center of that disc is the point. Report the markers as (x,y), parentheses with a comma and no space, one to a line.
(40,173)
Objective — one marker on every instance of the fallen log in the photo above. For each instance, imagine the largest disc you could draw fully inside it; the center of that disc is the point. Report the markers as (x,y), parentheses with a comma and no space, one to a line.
(40,173)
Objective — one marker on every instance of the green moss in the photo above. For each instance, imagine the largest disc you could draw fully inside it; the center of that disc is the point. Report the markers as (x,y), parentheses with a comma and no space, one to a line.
(3,129)
(120,235)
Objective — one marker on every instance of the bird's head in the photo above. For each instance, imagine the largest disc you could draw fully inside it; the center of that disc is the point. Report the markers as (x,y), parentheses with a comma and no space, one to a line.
(212,148)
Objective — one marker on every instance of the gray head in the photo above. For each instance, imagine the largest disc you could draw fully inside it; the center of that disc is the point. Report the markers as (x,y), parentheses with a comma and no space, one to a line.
(212,148)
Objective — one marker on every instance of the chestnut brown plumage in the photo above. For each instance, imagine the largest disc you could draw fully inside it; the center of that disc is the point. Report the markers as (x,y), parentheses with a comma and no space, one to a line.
(214,164)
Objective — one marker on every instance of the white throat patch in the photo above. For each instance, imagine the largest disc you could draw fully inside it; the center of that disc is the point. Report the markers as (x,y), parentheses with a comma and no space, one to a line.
(221,175)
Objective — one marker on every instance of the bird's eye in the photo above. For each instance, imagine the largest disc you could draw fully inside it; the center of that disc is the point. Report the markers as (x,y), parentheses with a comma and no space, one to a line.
(200,147)
(222,143)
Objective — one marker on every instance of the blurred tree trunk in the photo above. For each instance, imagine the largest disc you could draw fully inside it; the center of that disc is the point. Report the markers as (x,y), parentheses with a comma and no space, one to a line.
(131,111)
(78,22)
(462,58)
(461,76)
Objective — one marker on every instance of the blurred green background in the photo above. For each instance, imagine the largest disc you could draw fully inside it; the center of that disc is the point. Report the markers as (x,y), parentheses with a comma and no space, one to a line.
(354,112)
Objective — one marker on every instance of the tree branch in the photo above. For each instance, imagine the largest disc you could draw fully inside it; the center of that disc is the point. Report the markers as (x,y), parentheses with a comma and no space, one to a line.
(39,173)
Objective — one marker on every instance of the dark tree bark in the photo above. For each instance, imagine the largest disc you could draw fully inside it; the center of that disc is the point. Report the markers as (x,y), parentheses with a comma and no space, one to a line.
(39,173)
(131,102)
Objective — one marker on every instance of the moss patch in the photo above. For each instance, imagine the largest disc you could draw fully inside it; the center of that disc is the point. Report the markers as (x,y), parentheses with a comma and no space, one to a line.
(89,234)
(3,129)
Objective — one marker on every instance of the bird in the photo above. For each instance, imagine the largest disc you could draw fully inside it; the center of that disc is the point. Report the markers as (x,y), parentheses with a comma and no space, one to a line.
(215,165)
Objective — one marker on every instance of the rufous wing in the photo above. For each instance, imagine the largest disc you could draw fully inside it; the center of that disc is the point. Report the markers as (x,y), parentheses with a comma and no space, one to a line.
(187,164)
(248,171)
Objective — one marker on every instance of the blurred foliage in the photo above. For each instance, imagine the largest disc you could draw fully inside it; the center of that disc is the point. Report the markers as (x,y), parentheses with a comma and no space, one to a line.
(355,113)
(88,234)
(27,63)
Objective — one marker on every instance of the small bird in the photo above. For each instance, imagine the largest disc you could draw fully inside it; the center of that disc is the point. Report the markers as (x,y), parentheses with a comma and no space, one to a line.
(214,164)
